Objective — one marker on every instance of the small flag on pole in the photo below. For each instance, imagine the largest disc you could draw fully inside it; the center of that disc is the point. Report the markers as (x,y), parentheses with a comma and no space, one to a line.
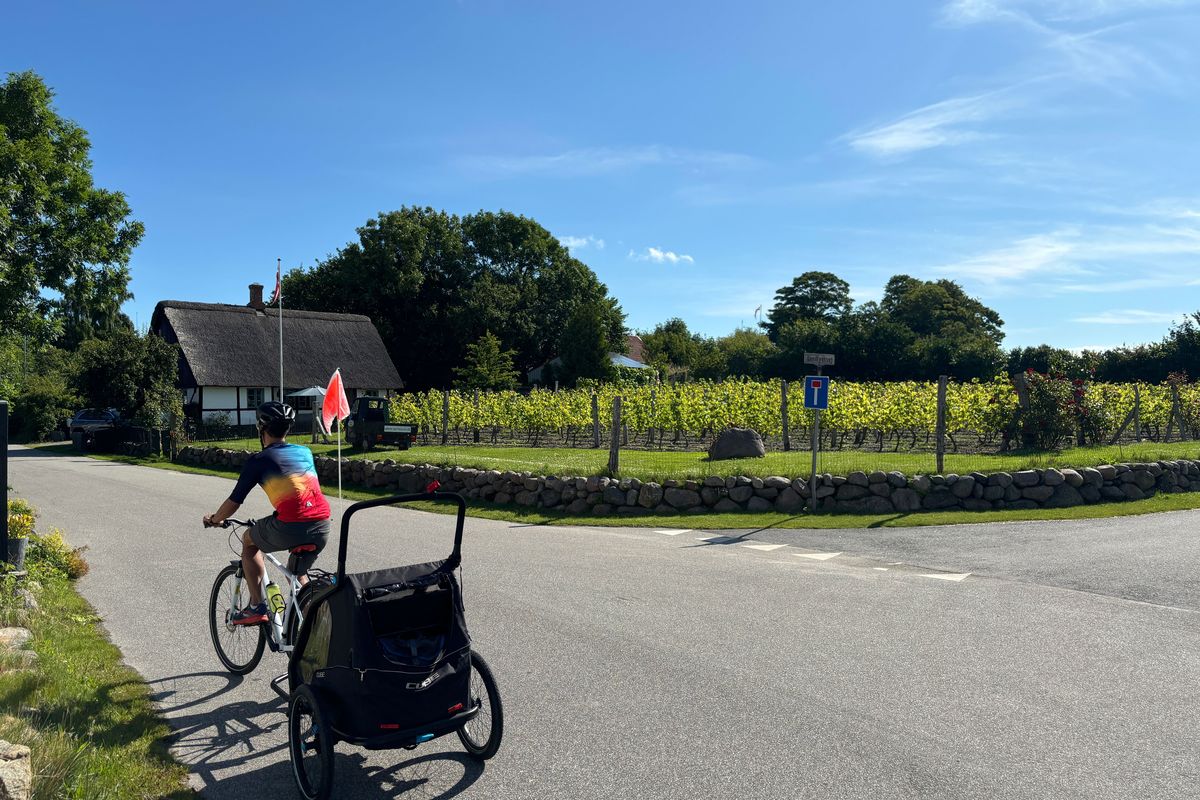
(336,406)
(275,298)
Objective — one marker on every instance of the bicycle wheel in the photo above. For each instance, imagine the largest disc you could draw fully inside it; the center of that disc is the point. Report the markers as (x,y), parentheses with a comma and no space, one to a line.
(481,735)
(310,744)
(238,646)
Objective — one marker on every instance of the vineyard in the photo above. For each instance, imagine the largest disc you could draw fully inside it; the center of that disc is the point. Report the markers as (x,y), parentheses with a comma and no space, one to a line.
(896,416)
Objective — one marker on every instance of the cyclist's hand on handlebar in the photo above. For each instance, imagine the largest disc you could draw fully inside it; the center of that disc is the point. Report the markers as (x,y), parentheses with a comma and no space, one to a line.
(209,523)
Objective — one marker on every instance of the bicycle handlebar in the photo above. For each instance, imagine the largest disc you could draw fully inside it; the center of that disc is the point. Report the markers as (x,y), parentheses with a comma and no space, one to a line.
(448,497)
(245,523)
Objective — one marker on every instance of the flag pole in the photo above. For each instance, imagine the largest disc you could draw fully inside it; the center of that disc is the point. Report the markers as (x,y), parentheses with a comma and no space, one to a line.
(279,291)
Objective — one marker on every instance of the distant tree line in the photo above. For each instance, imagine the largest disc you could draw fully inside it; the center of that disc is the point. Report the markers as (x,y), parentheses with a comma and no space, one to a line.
(917,331)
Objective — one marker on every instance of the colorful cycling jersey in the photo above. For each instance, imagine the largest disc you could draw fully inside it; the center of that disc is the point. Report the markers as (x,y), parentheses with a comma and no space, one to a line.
(287,474)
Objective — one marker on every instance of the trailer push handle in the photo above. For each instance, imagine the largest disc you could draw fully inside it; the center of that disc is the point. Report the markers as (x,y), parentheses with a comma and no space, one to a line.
(442,497)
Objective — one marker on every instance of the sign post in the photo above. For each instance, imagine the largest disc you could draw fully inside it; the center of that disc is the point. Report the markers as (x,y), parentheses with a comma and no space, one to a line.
(3,481)
(816,398)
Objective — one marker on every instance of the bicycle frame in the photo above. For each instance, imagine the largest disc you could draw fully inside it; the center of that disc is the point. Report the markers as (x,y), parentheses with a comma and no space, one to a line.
(279,624)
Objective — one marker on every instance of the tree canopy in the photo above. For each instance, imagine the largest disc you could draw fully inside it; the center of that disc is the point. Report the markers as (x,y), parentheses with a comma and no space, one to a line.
(64,243)
(811,296)
(433,283)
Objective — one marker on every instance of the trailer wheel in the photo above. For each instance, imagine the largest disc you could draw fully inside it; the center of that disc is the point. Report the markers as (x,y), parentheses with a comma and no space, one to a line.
(310,744)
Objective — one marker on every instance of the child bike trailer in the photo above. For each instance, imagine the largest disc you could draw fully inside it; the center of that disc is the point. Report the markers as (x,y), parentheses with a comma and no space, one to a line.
(384,661)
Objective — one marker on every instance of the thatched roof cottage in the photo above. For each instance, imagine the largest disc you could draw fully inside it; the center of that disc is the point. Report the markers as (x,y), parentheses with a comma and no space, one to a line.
(229,355)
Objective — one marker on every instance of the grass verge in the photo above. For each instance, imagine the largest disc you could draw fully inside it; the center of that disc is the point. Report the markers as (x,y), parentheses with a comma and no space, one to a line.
(87,718)
(656,465)
(744,520)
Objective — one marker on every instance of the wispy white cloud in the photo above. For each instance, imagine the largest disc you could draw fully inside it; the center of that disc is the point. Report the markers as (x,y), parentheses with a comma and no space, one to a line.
(1094,259)
(1130,316)
(658,256)
(964,11)
(602,160)
(948,122)
(581,242)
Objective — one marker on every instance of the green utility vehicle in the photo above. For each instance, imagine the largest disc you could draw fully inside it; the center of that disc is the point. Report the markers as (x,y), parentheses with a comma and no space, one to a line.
(367,426)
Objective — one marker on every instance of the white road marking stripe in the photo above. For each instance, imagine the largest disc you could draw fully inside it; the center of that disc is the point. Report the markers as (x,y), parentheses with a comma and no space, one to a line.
(817,556)
(881,569)
(767,547)
(674,533)
(945,576)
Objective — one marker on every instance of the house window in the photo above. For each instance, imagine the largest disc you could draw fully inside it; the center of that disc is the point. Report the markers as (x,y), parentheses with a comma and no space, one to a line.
(302,403)
(254,398)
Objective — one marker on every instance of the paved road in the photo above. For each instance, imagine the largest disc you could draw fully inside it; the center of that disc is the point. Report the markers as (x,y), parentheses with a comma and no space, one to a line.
(638,664)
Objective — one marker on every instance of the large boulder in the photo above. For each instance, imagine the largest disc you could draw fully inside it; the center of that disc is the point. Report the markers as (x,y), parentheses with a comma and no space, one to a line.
(736,443)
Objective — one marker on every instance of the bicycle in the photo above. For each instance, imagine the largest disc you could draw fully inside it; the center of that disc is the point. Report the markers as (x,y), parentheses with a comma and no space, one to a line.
(230,593)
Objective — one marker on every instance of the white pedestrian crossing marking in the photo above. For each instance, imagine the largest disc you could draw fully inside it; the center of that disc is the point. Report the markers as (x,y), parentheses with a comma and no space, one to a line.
(880,569)
(817,556)
(766,547)
(946,576)
(674,533)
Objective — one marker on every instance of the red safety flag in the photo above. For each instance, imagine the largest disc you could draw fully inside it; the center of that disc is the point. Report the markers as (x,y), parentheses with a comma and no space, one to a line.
(335,406)
(275,297)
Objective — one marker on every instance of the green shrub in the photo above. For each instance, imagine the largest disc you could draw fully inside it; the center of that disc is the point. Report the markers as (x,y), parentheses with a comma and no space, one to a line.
(1050,417)
(49,556)
(45,403)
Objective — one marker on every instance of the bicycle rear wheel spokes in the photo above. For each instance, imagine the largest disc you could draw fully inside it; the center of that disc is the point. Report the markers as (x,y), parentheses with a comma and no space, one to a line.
(310,745)
(481,735)
(238,646)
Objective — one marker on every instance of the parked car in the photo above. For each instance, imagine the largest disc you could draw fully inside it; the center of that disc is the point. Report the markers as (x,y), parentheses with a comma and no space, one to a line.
(86,424)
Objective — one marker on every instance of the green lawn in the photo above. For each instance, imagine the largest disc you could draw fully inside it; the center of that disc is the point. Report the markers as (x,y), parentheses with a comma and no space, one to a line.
(651,465)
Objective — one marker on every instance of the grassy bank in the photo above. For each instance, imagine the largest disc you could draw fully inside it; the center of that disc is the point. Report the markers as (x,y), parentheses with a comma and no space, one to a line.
(652,465)
(87,718)
(747,520)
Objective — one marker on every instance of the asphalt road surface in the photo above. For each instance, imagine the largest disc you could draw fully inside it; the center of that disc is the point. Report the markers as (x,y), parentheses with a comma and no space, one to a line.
(644,664)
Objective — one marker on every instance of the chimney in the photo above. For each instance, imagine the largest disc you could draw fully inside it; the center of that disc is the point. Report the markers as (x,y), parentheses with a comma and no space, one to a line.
(256,301)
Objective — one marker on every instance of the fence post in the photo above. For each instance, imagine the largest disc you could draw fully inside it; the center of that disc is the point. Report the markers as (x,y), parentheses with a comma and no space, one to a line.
(4,481)
(614,449)
(595,421)
(476,433)
(446,416)
(1137,413)
(941,425)
(783,413)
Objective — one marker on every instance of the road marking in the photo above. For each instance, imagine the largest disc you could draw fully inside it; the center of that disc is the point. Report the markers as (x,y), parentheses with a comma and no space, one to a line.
(817,556)
(946,576)
(881,569)
(767,547)
(895,563)
(674,533)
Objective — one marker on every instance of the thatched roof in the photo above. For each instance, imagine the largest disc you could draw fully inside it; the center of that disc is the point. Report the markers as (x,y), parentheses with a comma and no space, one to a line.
(227,345)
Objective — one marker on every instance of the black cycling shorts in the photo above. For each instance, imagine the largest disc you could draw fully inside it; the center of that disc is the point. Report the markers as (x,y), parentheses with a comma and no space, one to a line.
(270,535)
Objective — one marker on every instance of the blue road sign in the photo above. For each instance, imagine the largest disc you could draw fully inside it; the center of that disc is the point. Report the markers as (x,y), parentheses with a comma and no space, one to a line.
(816,392)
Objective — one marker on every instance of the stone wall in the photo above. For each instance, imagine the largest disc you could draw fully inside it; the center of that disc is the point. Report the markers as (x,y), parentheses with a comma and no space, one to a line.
(874,493)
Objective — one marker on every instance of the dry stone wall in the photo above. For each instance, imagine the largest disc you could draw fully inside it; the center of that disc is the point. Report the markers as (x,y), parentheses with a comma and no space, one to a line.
(858,492)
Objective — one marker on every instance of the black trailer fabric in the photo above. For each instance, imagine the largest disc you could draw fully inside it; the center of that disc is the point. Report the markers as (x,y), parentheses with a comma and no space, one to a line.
(389,649)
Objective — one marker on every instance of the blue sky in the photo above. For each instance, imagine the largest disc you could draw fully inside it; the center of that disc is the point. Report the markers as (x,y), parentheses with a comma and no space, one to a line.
(1043,154)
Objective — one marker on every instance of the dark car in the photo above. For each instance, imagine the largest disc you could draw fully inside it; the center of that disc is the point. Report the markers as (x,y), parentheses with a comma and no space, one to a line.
(368,426)
(87,423)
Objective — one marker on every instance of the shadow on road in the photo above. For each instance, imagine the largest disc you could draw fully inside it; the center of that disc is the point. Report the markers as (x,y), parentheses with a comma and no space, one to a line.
(240,749)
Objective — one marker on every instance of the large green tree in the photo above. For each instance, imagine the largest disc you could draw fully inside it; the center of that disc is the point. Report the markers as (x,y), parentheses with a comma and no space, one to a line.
(811,296)
(133,373)
(434,283)
(64,243)
(584,346)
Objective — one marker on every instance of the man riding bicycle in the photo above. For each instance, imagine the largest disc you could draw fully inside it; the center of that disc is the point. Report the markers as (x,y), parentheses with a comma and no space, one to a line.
(287,474)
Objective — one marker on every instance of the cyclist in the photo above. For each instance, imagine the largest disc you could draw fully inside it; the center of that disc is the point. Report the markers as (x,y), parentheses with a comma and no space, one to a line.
(287,474)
